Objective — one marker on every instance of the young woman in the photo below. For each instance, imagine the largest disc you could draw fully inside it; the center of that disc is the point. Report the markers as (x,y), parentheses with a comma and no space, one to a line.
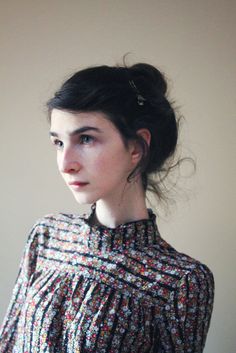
(107,281)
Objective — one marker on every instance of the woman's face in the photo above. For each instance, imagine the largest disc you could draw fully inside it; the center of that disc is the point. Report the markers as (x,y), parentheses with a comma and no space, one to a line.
(91,151)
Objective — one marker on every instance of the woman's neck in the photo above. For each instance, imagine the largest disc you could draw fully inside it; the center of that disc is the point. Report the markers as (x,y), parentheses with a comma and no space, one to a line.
(131,207)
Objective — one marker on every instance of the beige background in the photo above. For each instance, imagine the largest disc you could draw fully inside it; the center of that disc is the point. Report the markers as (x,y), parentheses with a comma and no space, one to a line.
(42,42)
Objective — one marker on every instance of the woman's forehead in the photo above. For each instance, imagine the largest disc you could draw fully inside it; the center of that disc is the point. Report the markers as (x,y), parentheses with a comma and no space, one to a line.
(72,122)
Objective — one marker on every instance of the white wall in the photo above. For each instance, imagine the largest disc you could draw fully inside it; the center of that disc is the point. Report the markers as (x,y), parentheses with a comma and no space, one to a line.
(42,42)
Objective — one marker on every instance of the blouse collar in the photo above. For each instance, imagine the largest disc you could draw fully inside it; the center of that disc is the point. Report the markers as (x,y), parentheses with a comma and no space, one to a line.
(134,234)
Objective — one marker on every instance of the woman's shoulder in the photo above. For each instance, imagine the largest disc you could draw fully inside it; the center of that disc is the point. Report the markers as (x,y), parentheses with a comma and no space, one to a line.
(180,262)
(58,221)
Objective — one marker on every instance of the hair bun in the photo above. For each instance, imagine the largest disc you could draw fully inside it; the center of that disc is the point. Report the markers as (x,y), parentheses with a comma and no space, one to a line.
(151,74)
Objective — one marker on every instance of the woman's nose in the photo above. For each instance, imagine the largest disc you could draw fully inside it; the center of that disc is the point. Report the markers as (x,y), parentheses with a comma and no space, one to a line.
(68,163)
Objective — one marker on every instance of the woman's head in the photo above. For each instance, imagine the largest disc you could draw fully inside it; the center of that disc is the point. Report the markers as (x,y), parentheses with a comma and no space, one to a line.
(132,98)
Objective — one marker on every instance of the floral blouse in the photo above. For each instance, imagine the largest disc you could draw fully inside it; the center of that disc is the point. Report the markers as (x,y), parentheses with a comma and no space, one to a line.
(85,288)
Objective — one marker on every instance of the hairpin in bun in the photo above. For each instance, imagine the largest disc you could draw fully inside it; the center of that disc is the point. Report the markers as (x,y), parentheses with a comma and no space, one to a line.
(140,98)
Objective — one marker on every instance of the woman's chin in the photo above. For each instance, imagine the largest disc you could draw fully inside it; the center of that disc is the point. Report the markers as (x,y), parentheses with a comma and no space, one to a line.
(84,199)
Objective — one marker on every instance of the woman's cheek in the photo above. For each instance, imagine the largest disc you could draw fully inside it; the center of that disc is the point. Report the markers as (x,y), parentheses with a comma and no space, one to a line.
(100,161)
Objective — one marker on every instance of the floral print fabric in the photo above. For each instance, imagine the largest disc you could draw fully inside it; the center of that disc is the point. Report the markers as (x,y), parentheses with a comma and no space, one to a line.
(83,289)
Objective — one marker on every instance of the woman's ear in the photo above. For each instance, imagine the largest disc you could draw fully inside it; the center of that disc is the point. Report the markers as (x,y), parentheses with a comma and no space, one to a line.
(146,135)
(136,149)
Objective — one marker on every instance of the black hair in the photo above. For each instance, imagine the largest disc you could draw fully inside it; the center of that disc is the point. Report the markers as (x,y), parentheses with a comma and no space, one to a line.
(132,98)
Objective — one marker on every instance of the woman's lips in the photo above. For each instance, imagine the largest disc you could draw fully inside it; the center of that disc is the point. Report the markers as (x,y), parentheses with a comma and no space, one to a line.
(77,184)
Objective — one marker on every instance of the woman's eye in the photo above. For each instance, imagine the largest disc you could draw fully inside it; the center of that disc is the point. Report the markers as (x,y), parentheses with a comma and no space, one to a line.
(57,143)
(86,139)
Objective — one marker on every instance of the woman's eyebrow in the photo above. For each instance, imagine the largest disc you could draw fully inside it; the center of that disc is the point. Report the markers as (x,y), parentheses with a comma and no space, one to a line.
(77,131)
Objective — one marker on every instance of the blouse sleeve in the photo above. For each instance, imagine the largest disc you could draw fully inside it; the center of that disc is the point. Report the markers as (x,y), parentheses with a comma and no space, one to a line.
(8,329)
(187,314)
